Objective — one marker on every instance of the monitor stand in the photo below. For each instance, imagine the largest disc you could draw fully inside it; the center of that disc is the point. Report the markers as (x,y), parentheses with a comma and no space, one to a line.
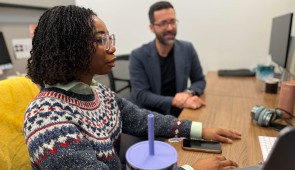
(284,76)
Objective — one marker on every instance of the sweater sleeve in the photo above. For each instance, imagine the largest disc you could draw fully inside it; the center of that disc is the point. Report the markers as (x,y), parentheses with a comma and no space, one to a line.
(134,122)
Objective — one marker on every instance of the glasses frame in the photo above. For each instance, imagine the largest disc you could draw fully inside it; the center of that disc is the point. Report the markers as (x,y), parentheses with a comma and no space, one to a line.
(165,24)
(106,40)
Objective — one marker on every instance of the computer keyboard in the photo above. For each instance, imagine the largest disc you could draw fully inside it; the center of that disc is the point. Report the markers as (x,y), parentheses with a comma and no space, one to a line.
(266,143)
(235,73)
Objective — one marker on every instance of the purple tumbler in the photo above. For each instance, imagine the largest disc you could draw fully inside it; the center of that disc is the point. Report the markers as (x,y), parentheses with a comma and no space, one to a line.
(151,154)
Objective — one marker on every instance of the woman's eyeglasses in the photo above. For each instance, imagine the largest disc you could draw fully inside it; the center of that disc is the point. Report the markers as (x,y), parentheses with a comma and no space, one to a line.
(106,40)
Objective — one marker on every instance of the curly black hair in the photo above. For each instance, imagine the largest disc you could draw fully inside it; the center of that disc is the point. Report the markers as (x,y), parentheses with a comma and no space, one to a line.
(62,45)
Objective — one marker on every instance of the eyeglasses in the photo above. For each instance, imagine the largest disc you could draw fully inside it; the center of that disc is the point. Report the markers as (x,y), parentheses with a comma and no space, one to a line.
(165,24)
(106,40)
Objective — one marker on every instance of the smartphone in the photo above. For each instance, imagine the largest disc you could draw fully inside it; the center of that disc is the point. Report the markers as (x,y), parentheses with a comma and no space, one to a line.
(201,145)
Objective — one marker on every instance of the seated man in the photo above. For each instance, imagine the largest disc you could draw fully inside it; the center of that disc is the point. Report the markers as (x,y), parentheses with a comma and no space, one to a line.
(160,70)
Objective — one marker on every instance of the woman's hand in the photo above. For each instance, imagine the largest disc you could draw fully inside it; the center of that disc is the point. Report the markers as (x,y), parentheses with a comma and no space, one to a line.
(215,163)
(219,134)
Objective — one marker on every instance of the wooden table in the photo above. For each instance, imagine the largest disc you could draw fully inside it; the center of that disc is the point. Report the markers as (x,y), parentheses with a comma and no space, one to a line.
(229,103)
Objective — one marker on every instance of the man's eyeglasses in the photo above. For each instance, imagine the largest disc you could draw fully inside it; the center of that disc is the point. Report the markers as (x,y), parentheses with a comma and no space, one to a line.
(165,24)
(106,40)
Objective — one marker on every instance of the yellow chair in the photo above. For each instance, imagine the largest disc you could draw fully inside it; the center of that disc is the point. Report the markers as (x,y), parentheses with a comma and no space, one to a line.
(15,96)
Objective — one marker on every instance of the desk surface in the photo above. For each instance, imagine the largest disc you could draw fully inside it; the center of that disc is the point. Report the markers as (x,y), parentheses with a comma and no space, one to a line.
(229,102)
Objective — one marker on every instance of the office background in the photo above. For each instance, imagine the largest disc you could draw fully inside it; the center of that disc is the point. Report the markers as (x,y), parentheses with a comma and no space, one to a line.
(227,34)
(15,18)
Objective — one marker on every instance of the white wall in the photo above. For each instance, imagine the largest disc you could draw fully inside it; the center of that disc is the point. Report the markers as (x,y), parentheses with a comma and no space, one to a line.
(226,33)
(37,3)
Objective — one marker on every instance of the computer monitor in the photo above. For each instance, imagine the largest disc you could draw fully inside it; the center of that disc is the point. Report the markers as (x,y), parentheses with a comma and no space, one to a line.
(280,39)
(5,61)
(291,58)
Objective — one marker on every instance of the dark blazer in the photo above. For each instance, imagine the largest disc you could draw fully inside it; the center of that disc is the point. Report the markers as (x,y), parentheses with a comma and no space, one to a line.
(145,74)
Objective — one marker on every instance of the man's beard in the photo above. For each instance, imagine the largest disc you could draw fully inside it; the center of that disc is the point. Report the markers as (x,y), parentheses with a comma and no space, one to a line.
(161,38)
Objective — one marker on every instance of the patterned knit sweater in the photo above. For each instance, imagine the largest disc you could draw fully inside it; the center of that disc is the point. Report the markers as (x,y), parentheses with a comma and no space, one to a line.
(66,130)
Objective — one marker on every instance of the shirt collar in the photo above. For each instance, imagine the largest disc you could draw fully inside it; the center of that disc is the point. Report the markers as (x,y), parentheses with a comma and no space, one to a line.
(76,87)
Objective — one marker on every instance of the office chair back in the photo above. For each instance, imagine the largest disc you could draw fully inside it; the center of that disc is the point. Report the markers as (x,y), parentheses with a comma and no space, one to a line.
(119,76)
(15,96)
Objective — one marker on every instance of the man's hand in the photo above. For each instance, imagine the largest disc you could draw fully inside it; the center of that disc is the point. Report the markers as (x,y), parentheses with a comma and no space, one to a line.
(179,99)
(194,102)
(186,100)
(219,134)
(215,163)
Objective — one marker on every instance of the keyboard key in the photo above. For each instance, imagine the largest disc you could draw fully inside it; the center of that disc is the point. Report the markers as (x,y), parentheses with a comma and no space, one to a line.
(266,144)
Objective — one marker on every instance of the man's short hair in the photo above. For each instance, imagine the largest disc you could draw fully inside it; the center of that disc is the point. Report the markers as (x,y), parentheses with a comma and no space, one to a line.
(158,6)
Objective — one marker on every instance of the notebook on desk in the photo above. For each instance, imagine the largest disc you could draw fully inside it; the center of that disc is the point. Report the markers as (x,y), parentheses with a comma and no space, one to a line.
(282,153)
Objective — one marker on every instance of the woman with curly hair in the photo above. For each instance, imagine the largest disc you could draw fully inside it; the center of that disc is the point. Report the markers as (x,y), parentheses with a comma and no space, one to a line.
(75,122)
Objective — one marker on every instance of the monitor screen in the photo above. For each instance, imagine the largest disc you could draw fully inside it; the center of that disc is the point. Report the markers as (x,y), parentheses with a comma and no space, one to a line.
(280,39)
(291,58)
(5,61)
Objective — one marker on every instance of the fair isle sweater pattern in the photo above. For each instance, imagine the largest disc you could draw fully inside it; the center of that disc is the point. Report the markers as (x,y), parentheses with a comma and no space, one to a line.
(66,130)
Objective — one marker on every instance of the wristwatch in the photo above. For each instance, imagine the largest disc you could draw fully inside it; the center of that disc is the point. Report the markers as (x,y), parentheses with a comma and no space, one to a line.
(191,92)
